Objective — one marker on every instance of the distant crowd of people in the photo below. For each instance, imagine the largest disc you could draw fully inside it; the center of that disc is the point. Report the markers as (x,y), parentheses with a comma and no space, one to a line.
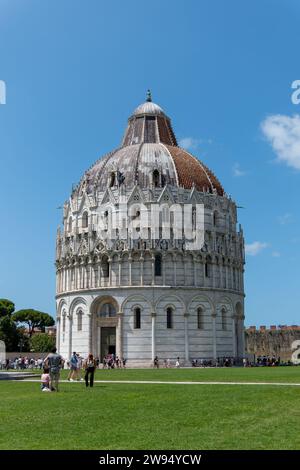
(22,363)
(110,361)
(167,363)
(268,361)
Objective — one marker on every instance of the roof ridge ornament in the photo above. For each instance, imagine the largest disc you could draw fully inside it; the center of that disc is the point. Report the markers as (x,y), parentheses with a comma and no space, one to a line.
(149,96)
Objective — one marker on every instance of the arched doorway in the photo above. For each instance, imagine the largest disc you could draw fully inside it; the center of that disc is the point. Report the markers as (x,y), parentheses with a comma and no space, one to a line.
(105,325)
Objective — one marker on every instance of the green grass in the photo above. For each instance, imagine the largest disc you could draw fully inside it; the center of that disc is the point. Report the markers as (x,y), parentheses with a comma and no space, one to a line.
(152,416)
(238,374)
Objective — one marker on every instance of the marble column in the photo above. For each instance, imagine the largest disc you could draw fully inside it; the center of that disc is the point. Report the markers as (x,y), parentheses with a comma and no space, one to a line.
(241,333)
(214,331)
(152,270)
(163,260)
(58,333)
(119,329)
(70,328)
(98,345)
(90,335)
(234,350)
(130,270)
(175,265)
(221,284)
(153,348)
(141,270)
(120,270)
(110,270)
(226,277)
(186,337)
(204,273)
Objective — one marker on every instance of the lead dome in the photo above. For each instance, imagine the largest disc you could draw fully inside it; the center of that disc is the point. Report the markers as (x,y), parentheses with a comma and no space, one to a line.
(150,157)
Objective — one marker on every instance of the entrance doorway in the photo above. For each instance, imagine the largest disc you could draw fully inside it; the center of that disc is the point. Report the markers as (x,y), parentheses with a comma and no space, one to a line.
(108,341)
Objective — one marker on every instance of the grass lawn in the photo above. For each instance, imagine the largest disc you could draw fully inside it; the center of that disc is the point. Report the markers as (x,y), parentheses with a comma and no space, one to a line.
(156,416)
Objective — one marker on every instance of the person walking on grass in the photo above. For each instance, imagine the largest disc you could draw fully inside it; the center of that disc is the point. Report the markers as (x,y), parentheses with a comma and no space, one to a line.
(73,367)
(90,366)
(54,362)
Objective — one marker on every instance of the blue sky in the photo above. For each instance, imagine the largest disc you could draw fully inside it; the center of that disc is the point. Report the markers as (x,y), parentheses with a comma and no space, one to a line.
(75,70)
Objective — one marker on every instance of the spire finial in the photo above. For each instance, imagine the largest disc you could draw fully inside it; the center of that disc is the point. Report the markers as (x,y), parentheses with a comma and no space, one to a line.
(149,97)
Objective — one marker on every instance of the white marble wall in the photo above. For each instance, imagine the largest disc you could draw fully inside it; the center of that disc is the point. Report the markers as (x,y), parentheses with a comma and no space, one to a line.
(184,339)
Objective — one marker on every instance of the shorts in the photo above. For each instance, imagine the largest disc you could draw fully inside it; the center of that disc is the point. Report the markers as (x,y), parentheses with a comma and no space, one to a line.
(54,376)
(74,367)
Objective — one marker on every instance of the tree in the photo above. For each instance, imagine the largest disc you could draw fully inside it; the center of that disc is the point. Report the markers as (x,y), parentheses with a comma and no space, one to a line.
(42,342)
(12,336)
(7,307)
(34,319)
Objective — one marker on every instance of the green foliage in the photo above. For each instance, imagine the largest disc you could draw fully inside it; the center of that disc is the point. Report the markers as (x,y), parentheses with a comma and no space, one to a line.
(7,307)
(34,319)
(41,342)
(13,337)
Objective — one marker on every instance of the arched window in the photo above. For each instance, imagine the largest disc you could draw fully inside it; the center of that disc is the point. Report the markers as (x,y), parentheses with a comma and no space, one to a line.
(70,224)
(200,318)
(155,178)
(215,218)
(112,179)
(105,267)
(137,318)
(157,265)
(79,320)
(85,219)
(223,315)
(169,317)
(207,269)
(107,310)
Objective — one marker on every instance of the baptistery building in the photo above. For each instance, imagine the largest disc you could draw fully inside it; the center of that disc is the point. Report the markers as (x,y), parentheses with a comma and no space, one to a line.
(150,258)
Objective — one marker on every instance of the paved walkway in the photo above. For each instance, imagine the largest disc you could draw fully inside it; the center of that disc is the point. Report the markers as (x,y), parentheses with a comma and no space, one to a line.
(280,384)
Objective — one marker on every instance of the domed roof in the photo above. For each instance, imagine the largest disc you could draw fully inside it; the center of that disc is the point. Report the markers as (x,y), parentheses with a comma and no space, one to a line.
(150,157)
(148,108)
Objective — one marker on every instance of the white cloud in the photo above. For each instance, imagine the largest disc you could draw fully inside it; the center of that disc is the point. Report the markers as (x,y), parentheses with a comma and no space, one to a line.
(285,219)
(276,254)
(252,249)
(283,133)
(237,170)
(189,143)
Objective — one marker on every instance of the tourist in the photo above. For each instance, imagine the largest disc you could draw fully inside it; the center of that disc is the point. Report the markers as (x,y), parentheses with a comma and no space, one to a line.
(73,367)
(54,362)
(90,366)
(177,363)
(45,381)
(156,362)
(124,362)
(168,363)
(79,367)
